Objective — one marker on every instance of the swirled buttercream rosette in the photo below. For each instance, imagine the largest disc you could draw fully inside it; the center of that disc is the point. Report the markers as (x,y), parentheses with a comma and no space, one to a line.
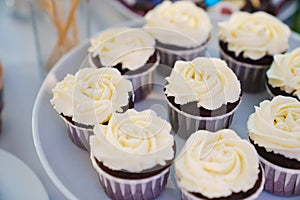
(284,75)
(89,98)
(131,51)
(201,94)
(182,30)
(218,165)
(133,154)
(274,130)
(248,43)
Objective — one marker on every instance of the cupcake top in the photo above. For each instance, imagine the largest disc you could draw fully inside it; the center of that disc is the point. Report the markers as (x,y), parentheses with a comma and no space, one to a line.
(98,92)
(181,23)
(217,164)
(275,125)
(133,141)
(62,100)
(207,81)
(127,46)
(285,72)
(255,35)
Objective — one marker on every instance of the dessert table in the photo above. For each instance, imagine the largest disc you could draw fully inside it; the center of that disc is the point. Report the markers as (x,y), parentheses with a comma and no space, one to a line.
(22,80)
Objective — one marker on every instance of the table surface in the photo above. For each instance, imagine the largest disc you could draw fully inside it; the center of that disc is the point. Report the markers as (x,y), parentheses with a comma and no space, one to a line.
(22,80)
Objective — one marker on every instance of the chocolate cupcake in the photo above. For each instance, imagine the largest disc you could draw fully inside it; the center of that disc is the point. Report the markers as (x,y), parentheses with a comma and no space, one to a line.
(274,130)
(182,30)
(248,43)
(131,51)
(133,154)
(218,165)
(284,75)
(201,94)
(89,98)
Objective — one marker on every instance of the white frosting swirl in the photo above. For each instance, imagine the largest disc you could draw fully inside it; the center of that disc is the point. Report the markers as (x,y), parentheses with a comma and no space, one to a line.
(256,35)
(133,141)
(217,164)
(181,23)
(98,92)
(128,46)
(207,81)
(62,100)
(275,125)
(285,72)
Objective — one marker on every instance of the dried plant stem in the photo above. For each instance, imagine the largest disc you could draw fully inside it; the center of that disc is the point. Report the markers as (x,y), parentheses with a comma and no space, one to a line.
(63,44)
(255,3)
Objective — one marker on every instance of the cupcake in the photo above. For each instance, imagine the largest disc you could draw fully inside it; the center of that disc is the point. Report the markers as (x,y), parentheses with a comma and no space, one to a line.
(284,75)
(218,165)
(274,130)
(201,94)
(89,98)
(248,43)
(133,154)
(131,51)
(182,30)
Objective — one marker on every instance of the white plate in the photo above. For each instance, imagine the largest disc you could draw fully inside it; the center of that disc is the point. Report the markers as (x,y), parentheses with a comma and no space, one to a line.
(17,180)
(69,167)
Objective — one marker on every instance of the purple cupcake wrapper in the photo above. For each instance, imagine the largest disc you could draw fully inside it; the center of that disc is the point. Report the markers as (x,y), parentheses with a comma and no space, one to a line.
(185,124)
(252,76)
(142,83)
(117,188)
(279,180)
(185,195)
(78,135)
(168,57)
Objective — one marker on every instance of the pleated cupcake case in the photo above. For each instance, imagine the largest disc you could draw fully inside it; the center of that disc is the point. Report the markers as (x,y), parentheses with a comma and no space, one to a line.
(131,189)
(251,76)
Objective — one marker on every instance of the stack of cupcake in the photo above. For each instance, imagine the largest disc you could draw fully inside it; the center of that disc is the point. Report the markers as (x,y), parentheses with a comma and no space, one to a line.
(133,151)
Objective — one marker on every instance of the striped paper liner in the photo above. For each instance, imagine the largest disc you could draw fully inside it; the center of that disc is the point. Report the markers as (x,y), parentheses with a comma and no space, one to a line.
(185,195)
(78,135)
(185,124)
(118,188)
(252,77)
(168,57)
(279,180)
(142,83)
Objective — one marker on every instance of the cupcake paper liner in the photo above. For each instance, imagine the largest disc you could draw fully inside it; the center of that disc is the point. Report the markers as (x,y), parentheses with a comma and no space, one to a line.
(252,76)
(168,57)
(117,188)
(279,180)
(142,83)
(185,195)
(78,135)
(185,124)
